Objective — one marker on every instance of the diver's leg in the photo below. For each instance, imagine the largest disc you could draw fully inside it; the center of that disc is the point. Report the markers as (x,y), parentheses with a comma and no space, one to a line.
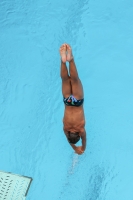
(66,84)
(77,88)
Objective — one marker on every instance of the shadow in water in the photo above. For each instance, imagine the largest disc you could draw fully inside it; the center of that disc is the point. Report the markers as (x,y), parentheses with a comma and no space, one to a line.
(95,183)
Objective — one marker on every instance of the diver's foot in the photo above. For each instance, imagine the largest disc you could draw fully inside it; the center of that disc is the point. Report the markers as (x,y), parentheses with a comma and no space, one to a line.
(63,53)
(69,53)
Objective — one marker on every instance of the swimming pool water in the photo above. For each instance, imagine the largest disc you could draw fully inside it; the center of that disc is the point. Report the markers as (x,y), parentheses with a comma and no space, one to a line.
(31,109)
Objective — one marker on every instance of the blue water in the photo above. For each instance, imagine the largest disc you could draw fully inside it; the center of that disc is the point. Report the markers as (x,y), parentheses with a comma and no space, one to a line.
(32,142)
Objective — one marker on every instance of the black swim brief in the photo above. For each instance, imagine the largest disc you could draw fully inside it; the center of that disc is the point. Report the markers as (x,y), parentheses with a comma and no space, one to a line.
(72,101)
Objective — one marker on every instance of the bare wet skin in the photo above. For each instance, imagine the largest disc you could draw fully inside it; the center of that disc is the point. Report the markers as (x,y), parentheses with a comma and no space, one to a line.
(74,119)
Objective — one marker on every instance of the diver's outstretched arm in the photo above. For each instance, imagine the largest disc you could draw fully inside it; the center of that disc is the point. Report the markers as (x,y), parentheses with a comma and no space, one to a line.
(83,137)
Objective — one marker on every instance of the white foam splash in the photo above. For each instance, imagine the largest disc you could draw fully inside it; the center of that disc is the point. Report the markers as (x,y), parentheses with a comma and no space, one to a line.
(75,160)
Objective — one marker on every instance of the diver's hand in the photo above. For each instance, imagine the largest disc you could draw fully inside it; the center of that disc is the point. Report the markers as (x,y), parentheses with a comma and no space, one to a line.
(79,150)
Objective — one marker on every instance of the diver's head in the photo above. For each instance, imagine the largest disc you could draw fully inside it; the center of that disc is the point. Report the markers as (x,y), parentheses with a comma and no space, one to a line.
(73,138)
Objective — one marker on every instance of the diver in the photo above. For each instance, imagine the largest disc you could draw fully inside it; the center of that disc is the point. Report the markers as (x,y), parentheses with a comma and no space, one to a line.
(73,97)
